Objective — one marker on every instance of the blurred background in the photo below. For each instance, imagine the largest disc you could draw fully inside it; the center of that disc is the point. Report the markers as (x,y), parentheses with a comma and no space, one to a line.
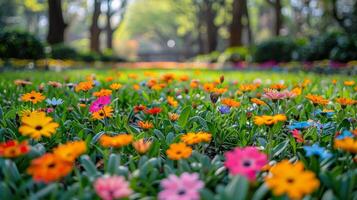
(179,30)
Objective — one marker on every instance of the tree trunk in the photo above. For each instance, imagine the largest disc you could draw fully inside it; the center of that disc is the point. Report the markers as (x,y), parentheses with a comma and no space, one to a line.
(57,26)
(94,29)
(249,28)
(236,27)
(278,17)
(212,29)
(109,30)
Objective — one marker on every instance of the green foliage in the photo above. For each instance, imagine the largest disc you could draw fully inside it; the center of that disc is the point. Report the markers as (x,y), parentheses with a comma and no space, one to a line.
(62,51)
(345,49)
(278,49)
(20,44)
(235,54)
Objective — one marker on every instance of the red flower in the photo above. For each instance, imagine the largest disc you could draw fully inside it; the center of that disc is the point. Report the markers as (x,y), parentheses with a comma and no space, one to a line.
(13,148)
(153,111)
(297,135)
(139,108)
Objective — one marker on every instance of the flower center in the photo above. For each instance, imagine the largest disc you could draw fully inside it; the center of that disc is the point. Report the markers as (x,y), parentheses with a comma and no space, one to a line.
(178,152)
(101,114)
(181,192)
(52,165)
(247,163)
(38,128)
(290,180)
(32,97)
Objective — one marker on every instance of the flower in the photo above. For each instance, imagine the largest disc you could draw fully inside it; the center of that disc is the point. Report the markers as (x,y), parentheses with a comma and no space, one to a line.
(136,87)
(48,168)
(273,94)
(36,125)
(248,87)
(195,138)
(247,161)
(348,144)
(139,108)
(178,151)
(230,102)
(13,148)
(33,97)
(142,145)
(208,87)
(22,82)
(291,179)
(224,109)
(296,91)
(184,187)
(99,104)
(106,111)
(116,141)
(344,134)
(269,120)
(102,92)
(173,116)
(153,111)
(70,151)
(54,102)
(317,100)
(278,86)
(54,84)
(112,187)
(258,101)
(84,86)
(115,86)
(316,150)
(289,94)
(171,101)
(349,83)
(146,125)
(297,135)
(300,125)
(345,101)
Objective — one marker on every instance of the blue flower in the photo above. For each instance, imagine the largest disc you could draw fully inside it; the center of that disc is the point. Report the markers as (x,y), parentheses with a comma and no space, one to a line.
(344,135)
(320,112)
(224,109)
(316,150)
(54,101)
(299,125)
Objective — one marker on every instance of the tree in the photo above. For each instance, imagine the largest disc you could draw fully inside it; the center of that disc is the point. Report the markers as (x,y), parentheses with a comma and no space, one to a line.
(57,26)
(347,19)
(278,16)
(95,30)
(236,27)
(110,29)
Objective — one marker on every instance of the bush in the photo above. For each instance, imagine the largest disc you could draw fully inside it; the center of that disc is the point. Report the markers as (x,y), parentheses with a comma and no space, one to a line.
(89,56)
(345,49)
(20,44)
(61,51)
(235,54)
(278,49)
(211,57)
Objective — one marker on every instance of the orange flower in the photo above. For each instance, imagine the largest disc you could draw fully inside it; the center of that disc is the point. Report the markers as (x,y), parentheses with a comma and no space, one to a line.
(334,81)
(258,101)
(349,83)
(146,125)
(248,87)
(136,87)
(132,76)
(230,102)
(195,138)
(171,101)
(208,87)
(345,101)
(269,120)
(296,91)
(115,86)
(278,86)
(102,92)
(70,151)
(115,141)
(109,78)
(106,111)
(347,144)
(33,97)
(178,151)
(48,168)
(13,148)
(219,90)
(142,145)
(139,108)
(184,77)
(84,86)
(316,99)
(173,116)
(194,84)
(168,77)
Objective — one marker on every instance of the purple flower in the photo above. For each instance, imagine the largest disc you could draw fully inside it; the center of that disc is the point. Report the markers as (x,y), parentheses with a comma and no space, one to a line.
(99,104)
(184,187)
(224,109)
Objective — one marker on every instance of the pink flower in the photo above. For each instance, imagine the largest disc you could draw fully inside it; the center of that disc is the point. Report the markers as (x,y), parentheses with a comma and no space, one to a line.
(289,94)
(273,94)
(112,187)
(99,104)
(247,161)
(185,187)
(49,110)
(297,135)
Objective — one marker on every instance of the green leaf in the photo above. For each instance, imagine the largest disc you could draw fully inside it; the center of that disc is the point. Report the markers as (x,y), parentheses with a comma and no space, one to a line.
(182,121)
(113,164)
(260,192)
(89,166)
(237,188)
(45,191)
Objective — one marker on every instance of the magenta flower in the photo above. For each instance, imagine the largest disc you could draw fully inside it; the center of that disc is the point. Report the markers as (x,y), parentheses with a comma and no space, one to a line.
(112,187)
(273,94)
(184,187)
(99,103)
(247,162)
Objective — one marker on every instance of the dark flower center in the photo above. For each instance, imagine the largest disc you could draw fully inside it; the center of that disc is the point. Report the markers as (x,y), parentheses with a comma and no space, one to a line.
(178,152)
(52,165)
(290,180)
(38,127)
(101,114)
(247,163)
(181,192)
(32,97)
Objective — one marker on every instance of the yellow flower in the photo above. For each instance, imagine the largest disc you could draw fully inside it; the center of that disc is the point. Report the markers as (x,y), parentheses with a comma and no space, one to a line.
(37,124)
(230,102)
(142,145)
(70,151)
(115,141)
(296,91)
(195,138)
(106,111)
(33,97)
(171,101)
(115,86)
(178,151)
(102,92)
(292,180)
(347,144)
